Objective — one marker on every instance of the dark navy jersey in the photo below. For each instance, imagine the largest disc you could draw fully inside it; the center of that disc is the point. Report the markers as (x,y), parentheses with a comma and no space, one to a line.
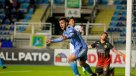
(102,48)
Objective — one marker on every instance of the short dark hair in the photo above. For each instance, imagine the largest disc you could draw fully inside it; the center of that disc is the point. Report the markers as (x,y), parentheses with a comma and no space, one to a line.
(72,18)
(63,19)
(105,33)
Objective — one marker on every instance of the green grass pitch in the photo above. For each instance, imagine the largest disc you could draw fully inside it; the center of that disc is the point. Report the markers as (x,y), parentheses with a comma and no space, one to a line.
(34,70)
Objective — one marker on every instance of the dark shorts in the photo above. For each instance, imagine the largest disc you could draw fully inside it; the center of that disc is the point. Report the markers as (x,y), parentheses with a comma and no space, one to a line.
(82,55)
(100,70)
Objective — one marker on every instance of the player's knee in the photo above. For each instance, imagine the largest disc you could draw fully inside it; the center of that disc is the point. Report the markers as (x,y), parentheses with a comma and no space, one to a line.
(71,58)
(82,63)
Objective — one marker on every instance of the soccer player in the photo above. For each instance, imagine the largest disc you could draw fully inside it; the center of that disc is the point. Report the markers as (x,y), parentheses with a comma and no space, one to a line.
(80,47)
(1,60)
(80,30)
(103,47)
(77,28)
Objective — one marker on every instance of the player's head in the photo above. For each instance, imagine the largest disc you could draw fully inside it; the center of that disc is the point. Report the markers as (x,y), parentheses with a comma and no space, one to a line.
(72,21)
(63,23)
(104,36)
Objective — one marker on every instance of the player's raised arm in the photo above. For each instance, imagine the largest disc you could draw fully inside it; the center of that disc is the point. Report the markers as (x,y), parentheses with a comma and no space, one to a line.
(118,52)
(90,46)
(60,39)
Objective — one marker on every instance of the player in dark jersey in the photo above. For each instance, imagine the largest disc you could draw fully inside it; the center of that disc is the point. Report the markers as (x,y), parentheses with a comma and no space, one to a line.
(103,47)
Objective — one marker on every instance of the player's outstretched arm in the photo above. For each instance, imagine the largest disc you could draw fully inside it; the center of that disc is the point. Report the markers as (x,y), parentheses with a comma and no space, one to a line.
(89,46)
(48,41)
(60,39)
(119,53)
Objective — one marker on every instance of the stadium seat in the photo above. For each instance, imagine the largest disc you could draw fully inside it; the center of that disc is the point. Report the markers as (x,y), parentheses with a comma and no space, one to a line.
(20,1)
(3,27)
(45,1)
(12,28)
(112,24)
(6,44)
(59,1)
(123,34)
(90,2)
(30,11)
(119,7)
(7,21)
(117,2)
(26,1)
(24,5)
(124,2)
(122,18)
(120,24)
(2,16)
(41,1)
(116,13)
(114,18)
(27,17)
(124,13)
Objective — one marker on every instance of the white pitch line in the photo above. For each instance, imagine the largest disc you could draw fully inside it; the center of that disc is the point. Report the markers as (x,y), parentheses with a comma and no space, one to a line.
(15,71)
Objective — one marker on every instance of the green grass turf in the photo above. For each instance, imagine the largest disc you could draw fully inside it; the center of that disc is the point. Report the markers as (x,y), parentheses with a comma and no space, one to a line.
(34,70)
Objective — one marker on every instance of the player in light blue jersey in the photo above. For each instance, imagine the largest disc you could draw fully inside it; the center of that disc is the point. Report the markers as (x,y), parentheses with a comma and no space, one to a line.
(80,30)
(80,47)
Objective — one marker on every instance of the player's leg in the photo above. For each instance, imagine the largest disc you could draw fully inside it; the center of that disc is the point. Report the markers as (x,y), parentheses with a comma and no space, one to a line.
(2,63)
(105,71)
(106,65)
(111,71)
(86,67)
(71,59)
(84,71)
(82,57)
(98,71)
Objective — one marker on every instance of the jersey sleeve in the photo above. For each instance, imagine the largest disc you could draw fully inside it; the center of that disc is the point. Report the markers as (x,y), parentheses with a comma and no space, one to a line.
(60,39)
(69,33)
(78,28)
(110,46)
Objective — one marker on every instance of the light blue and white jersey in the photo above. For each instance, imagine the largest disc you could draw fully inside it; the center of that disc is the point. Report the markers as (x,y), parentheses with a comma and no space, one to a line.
(71,47)
(75,39)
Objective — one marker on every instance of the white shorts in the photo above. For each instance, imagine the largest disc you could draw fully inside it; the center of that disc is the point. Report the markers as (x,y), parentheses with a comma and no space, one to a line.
(72,50)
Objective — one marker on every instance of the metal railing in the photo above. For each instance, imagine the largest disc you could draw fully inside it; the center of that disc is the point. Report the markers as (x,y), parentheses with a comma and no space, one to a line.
(24,30)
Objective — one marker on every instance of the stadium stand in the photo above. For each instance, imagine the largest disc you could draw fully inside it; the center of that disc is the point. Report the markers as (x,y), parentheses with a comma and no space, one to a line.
(104,16)
(12,11)
(118,22)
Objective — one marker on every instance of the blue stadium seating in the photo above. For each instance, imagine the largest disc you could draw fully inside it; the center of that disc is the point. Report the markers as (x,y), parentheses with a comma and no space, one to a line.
(118,21)
(30,11)
(41,1)
(24,5)
(90,2)
(2,16)
(112,24)
(118,2)
(5,24)
(6,43)
(26,1)
(120,24)
(114,18)
(59,1)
